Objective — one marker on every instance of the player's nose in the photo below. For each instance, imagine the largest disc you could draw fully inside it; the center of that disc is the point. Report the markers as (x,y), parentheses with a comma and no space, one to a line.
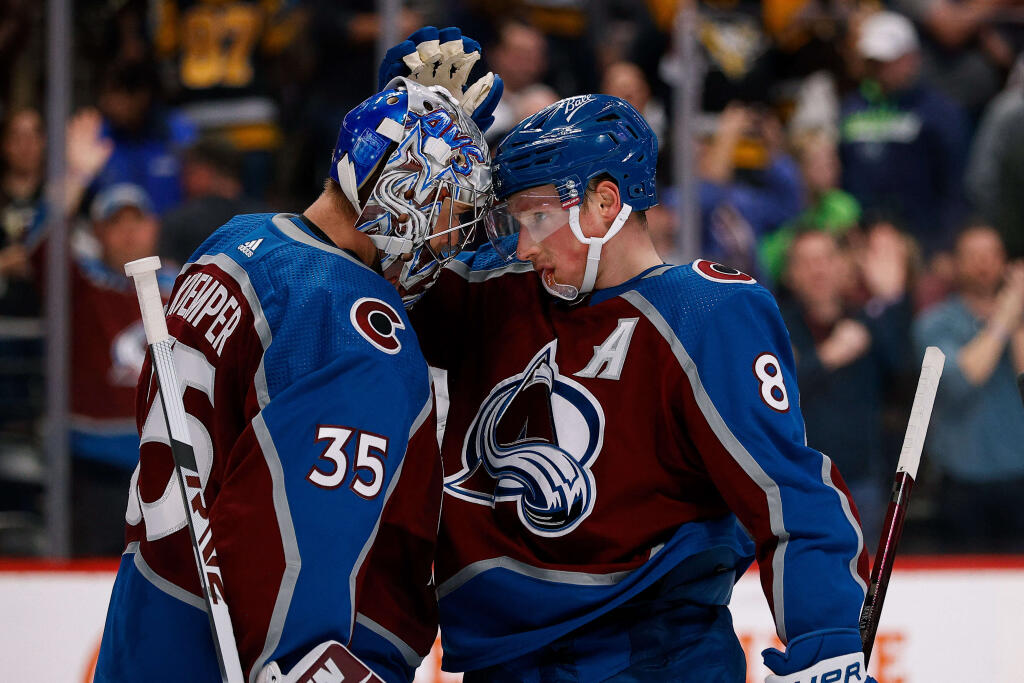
(526,248)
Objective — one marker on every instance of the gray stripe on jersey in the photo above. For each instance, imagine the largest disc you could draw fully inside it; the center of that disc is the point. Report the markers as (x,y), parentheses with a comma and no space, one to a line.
(826,476)
(162,584)
(658,270)
(733,446)
(293,562)
(470,572)
(463,270)
(417,423)
(410,656)
(282,222)
(229,266)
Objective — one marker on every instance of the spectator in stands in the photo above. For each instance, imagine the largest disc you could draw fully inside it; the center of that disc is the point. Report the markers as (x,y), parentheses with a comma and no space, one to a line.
(573,47)
(846,355)
(521,57)
(903,145)
(108,349)
(748,185)
(740,58)
(23,213)
(995,172)
(20,52)
(316,93)
(211,179)
(22,170)
(224,58)
(966,49)
(147,139)
(977,427)
(533,99)
(625,80)
(826,207)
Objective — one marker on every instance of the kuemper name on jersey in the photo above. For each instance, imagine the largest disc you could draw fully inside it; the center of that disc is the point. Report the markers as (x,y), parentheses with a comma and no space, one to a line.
(203,300)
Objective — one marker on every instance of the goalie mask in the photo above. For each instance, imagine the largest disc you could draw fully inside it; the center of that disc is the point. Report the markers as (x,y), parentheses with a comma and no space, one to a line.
(414,166)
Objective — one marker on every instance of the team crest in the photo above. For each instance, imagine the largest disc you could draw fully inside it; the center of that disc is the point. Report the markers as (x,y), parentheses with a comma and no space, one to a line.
(378,323)
(533,443)
(716,272)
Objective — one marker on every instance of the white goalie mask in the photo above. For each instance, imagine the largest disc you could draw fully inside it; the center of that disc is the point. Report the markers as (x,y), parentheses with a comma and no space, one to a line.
(416,168)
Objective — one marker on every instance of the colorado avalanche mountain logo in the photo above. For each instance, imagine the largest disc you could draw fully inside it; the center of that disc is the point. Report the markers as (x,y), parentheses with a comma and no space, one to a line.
(533,442)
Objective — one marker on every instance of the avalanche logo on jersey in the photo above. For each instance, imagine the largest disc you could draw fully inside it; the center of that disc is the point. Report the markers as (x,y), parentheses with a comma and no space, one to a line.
(533,442)
(127,355)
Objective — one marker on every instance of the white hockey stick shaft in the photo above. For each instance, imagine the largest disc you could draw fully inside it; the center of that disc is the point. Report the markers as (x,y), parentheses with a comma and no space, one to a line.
(903,486)
(921,411)
(161,346)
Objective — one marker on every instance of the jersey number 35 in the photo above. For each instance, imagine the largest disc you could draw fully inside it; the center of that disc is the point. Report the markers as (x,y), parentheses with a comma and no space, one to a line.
(331,469)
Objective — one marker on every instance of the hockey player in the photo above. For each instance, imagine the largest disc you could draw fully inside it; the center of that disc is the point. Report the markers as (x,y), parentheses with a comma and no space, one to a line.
(624,438)
(309,403)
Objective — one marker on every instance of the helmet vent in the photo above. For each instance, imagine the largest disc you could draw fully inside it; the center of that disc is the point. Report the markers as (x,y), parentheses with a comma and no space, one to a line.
(608,117)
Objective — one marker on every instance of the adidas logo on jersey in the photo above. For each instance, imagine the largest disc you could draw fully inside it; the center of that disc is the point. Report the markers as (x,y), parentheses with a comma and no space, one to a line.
(248,248)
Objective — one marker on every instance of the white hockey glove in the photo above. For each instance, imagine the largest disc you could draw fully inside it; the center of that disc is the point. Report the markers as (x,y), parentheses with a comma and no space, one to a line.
(328,661)
(445,58)
(842,669)
(815,657)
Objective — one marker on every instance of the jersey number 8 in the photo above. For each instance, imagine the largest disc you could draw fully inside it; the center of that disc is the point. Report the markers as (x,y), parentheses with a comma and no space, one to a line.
(768,371)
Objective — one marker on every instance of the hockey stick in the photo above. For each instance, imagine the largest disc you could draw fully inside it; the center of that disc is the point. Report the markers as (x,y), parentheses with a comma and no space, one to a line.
(161,350)
(895,515)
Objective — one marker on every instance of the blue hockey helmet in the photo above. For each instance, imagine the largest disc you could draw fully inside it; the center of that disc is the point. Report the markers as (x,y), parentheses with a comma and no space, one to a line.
(576,139)
(566,145)
(414,166)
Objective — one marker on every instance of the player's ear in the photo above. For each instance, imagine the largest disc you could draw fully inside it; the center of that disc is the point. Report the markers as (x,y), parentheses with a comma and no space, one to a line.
(607,199)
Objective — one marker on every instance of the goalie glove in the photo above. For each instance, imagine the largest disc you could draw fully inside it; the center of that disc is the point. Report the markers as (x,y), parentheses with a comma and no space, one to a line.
(833,656)
(445,58)
(328,661)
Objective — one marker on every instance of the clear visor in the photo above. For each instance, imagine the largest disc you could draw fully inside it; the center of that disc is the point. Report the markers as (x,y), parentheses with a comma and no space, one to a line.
(525,217)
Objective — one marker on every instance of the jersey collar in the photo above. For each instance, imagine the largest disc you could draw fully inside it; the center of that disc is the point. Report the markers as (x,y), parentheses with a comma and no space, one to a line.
(602,295)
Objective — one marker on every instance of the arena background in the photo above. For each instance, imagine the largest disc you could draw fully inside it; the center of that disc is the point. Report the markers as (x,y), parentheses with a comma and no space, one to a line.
(775,119)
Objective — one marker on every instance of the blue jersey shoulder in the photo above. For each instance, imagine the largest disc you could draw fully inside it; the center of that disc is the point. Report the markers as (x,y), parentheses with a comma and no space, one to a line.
(320,303)
(686,296)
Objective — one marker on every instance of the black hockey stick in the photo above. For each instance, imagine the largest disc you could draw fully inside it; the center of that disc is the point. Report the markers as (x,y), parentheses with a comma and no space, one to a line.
(895,515)
(161,350)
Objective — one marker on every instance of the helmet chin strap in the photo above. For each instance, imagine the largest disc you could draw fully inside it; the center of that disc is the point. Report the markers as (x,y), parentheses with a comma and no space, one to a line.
(594,244)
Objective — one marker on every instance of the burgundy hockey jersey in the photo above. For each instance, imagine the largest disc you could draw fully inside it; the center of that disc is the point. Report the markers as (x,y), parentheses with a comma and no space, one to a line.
(590,450)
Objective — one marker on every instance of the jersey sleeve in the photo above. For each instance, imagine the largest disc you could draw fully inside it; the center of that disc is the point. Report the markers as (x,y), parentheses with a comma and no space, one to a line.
(308,423)
(746,421)
(400,626)
(334,472)
(334,442)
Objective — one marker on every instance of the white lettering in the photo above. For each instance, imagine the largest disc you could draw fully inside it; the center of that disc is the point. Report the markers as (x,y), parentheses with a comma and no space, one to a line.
(189,281)
(228,328)
(610,356)
(202,293)
(190,294)
(213,304)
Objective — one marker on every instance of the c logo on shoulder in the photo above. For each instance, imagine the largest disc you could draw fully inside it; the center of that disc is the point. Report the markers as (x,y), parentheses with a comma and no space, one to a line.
(378,323)
(716,272)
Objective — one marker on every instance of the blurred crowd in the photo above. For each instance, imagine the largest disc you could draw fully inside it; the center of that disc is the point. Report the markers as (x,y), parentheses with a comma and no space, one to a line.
(861,159)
